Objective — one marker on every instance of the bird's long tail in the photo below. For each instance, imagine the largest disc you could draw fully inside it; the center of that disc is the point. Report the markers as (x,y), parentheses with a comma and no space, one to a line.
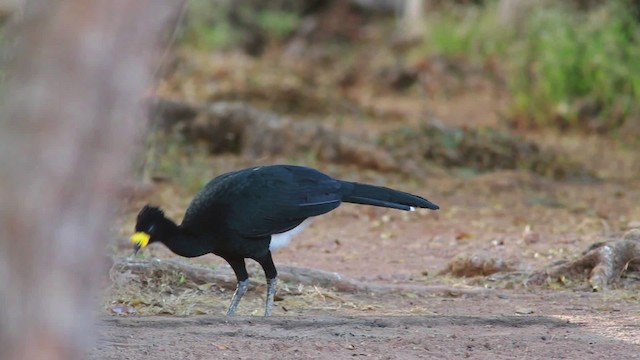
(358,193)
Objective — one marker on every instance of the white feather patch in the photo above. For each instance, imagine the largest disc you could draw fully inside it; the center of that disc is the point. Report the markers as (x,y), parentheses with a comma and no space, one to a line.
(283,239)
(411,208)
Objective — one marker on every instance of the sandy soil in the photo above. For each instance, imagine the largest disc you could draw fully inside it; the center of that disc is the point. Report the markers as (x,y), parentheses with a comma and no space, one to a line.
(523,326)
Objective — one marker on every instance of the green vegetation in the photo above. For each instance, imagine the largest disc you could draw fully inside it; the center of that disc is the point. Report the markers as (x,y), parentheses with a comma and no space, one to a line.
(214,25)
(207,25)
(564,67)
(278,24)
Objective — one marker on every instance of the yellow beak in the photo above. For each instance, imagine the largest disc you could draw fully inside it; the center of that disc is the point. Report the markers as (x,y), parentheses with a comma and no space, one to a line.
(140,239)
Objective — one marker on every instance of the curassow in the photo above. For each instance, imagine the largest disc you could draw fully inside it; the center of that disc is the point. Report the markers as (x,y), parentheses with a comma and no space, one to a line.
(247,213)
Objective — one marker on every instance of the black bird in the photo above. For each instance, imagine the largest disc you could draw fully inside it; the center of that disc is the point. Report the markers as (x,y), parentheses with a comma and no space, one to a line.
(247,213)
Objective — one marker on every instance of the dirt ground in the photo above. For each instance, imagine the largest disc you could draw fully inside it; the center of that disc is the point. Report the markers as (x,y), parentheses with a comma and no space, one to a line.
(524,220)
(501,325)
(483,215)
(582,333)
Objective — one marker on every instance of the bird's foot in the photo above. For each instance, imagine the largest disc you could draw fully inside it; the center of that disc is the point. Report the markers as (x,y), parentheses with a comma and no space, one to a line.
(237,295)
(271,292)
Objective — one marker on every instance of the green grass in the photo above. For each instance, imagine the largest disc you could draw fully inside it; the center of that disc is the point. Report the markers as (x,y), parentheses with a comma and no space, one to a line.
(563,67)
(278,24)
(470,31)
(208,24)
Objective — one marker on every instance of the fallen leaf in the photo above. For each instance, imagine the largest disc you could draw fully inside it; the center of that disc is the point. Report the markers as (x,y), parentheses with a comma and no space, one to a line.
(205,287)
(221,346)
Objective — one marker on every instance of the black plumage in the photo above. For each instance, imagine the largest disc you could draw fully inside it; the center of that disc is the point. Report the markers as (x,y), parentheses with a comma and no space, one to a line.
(237,214)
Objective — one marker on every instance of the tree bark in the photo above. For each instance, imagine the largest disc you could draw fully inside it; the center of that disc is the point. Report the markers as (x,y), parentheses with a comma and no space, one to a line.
(75,74)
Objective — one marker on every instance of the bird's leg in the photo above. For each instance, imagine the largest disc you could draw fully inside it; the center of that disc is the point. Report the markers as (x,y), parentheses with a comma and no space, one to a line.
(237,295)
(239,268)
(272,280)
(271,292)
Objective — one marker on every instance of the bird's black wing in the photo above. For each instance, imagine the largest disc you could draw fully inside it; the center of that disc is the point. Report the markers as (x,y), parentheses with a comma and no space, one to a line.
(275,199)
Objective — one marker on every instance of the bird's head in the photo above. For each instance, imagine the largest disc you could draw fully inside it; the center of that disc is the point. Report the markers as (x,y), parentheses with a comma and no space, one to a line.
(149,227)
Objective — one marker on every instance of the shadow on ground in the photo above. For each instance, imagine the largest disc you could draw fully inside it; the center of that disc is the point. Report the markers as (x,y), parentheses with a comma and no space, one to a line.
(380,337)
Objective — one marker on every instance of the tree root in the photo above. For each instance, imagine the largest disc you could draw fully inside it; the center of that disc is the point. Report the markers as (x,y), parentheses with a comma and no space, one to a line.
(603,263)
(224,278)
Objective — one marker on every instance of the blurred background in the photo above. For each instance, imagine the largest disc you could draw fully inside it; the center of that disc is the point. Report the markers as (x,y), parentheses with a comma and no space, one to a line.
(520,118)
(472,86)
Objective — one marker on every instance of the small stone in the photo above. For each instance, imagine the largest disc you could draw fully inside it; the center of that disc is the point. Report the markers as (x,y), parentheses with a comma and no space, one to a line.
(524,311)
(123,310)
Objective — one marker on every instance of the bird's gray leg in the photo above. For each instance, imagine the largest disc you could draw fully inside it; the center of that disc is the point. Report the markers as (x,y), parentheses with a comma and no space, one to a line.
(271,292)
(239,268)
(237,295)
(272,280)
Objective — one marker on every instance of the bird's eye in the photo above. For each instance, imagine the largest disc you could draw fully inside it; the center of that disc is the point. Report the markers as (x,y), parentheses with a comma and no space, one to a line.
(151,228)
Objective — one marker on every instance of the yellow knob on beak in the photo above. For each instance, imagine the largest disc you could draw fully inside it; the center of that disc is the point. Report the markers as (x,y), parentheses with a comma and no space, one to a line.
(140,240)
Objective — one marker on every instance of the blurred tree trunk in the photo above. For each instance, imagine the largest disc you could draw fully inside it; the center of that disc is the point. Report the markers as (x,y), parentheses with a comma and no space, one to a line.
(512,12)
(413,18)
(70,98)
